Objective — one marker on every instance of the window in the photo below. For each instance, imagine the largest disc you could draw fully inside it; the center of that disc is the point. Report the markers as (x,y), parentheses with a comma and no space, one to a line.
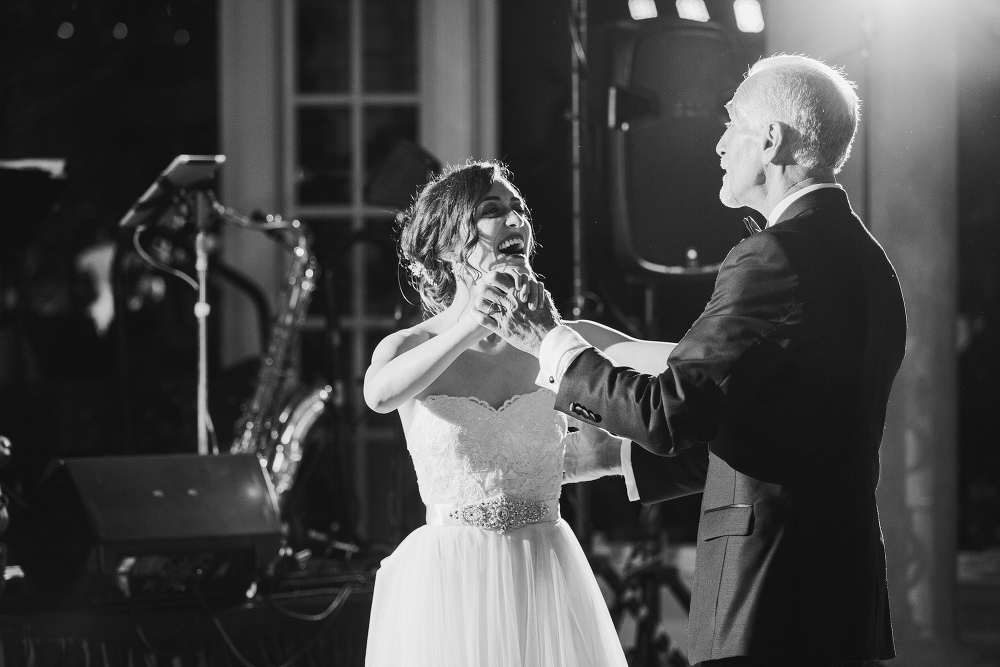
(351,93)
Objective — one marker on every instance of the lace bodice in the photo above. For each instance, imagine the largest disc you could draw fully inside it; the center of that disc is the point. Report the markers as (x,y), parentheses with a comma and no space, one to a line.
(465,451)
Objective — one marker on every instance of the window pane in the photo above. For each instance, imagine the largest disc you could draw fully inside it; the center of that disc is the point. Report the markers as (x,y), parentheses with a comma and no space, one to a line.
(384,126)
(390,40)
(324,49)
(324,143)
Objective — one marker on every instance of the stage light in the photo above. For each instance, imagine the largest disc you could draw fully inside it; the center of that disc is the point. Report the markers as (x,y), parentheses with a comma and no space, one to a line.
(120,30)
(749,18)
(66,30)
(693,10)
(642,9)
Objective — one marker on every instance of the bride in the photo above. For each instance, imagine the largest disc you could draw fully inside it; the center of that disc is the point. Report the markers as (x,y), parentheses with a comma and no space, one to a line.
(495,578)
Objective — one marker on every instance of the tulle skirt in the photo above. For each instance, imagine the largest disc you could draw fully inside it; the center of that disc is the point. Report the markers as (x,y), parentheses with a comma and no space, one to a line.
(457,596)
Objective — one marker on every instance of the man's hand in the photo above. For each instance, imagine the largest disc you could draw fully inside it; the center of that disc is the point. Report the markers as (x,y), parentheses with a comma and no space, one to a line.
(591,453)
(521,315)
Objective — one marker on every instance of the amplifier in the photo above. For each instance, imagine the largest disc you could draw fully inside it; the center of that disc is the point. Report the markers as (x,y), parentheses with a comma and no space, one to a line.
(158,527)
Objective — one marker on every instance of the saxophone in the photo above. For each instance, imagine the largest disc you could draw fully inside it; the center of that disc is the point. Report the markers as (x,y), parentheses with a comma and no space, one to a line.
(280,413)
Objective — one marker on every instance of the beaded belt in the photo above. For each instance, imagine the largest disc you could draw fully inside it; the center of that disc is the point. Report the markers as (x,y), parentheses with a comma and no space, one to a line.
(501,514)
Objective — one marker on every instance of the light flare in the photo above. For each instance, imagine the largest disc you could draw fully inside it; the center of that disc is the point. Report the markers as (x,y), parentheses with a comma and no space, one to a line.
(692,10)
(642,9)
(749,17)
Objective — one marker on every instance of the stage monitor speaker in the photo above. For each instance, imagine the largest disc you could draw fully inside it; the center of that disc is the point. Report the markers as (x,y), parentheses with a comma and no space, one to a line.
(657,90)
(155,528)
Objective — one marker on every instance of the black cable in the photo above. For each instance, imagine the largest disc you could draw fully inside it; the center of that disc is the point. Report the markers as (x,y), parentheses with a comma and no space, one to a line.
(326,617)
(252,291)
(157,264)
(229,642)
(312,618)
(186,635)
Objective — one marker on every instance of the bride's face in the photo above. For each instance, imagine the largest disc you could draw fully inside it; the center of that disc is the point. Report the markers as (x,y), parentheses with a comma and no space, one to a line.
(506,239)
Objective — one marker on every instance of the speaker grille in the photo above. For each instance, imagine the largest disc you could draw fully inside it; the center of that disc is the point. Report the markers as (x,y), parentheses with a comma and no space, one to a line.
(665,174)
(170,527)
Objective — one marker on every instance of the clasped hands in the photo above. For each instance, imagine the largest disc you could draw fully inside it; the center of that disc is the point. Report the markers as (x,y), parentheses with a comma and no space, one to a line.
(516,306)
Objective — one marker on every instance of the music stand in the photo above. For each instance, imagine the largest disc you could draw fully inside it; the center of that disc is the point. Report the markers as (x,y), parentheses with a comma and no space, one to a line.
(187,175)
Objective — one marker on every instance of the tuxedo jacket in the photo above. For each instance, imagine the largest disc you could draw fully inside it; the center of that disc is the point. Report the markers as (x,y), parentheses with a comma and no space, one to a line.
(785,376)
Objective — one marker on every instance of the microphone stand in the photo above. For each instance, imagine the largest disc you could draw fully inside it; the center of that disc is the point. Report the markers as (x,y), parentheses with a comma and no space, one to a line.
(185,185)
(201,311)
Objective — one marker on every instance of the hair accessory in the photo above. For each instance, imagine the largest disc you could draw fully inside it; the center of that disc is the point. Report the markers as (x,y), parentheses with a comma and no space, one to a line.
(418,270)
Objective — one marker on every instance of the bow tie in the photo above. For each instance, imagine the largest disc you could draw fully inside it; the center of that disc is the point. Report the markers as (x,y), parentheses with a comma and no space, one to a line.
(752,225)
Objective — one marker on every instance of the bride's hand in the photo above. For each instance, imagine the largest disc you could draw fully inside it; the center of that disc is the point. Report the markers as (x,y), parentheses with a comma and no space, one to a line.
(522,314)
(590,453)
(493,292)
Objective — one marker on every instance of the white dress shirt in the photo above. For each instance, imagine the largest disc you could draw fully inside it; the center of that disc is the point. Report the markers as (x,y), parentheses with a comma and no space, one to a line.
(562,345)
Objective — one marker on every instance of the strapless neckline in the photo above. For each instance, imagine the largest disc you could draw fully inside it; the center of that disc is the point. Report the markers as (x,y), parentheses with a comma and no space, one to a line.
(480,402)
(466,451)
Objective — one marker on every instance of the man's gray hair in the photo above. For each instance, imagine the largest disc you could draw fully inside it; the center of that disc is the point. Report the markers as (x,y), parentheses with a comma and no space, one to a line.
(816,101)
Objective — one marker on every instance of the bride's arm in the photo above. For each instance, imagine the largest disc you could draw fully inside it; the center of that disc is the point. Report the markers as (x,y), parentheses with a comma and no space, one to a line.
(592,452)
(646,356)
(406,362)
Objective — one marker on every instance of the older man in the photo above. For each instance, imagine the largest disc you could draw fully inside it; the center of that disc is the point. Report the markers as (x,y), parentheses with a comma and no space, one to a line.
(786,376)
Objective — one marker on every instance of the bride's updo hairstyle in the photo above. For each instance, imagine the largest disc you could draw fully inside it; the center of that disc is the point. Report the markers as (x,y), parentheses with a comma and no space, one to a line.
(438,231)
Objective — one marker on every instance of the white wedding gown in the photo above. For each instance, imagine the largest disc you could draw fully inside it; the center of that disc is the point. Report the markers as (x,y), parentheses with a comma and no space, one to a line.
(463,596)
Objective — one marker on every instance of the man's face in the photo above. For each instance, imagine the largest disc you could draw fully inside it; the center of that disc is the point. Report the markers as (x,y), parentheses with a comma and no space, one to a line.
(740,150)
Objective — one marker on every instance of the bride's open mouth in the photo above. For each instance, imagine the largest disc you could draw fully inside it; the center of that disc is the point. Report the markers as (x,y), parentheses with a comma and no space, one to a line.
(512,246)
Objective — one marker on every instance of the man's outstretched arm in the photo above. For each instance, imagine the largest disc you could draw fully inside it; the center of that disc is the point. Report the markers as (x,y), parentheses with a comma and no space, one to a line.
(592,453)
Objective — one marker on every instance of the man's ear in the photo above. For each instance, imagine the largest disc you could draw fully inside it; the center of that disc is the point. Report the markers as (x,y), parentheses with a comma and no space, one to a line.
(777,144)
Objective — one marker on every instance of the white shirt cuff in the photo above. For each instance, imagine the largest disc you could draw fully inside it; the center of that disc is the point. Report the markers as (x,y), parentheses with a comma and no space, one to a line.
(558,350)
(633,490)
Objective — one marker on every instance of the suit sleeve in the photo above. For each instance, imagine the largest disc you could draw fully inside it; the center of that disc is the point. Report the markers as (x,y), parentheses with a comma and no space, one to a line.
(659,478)
(736,345)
